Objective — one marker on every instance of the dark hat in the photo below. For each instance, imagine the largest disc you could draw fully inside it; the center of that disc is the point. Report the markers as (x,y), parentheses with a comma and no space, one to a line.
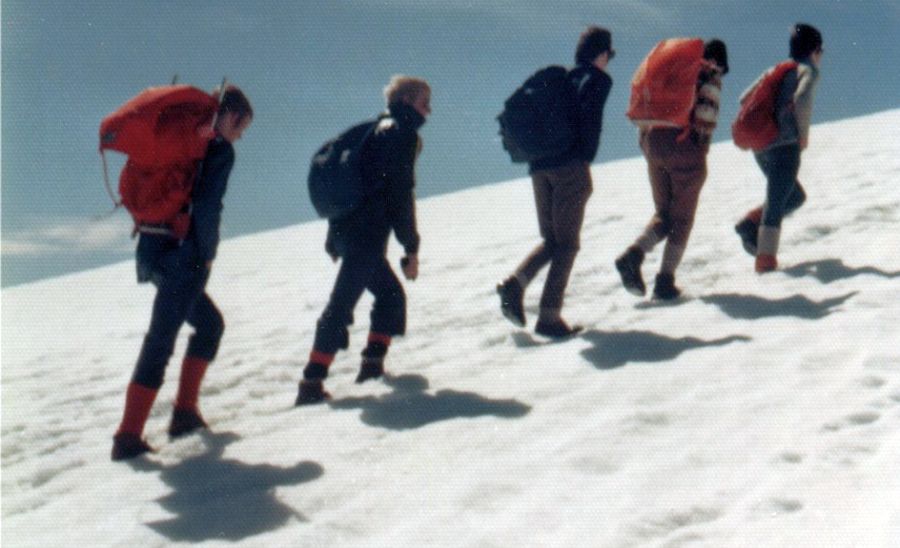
(714,50)
(592,42)
(805,40)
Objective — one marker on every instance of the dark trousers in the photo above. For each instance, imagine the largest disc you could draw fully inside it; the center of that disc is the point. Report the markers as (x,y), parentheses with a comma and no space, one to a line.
(180,298)
(560,196)
(784,194)
(361,269)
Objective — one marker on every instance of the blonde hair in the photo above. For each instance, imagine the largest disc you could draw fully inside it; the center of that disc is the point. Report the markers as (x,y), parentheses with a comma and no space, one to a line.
(404,88)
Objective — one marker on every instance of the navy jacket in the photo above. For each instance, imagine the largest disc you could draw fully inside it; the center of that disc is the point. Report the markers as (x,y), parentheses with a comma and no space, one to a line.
(592,87)
(159,255)
(388,159)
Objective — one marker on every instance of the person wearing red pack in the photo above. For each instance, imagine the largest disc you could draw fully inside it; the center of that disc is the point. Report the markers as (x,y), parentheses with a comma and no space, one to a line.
(760,229)
(179,266)
(676,164)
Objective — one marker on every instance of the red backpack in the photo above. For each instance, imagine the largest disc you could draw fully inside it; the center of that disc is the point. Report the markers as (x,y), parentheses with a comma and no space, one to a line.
(664,87)
(165,132)
(755,127)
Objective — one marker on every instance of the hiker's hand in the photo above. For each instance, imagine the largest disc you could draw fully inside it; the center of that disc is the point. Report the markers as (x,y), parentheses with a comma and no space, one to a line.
(208,265)
(410,266)
(329,248)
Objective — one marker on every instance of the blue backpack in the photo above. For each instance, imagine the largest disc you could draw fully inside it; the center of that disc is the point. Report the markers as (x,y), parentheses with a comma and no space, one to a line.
(336,182)
(539,118)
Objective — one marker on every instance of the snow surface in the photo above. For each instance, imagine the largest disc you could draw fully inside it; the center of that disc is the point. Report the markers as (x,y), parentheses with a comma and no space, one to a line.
(760,411)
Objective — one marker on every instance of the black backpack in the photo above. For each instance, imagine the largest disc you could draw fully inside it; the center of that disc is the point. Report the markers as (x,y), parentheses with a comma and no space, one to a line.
(336,183)
(539,118)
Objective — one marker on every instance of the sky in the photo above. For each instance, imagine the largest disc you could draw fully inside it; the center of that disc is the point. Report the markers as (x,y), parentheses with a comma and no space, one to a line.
(312,69)
(758,411)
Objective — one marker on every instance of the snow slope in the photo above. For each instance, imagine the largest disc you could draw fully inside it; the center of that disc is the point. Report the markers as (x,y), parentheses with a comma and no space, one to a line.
(760,411)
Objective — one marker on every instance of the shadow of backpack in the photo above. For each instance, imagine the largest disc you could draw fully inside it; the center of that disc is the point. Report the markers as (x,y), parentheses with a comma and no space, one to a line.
(539,118)
(335,181)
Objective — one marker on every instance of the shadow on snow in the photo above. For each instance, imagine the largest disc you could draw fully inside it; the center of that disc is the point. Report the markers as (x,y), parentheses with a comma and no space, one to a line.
(831,270)
(617,348)
(409,406)
(751,307)
(225,499)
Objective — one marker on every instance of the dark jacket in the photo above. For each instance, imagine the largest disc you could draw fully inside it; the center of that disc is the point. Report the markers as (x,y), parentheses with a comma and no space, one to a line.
(159,255)
(592,87)
(388,159)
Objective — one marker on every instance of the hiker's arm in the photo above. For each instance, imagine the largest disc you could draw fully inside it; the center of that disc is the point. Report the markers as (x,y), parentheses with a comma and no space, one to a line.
(803,98)
(206,211)
(401,198)
(785,114)
(591,100)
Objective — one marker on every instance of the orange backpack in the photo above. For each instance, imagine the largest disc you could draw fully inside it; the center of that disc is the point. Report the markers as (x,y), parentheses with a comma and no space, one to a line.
(664,87)
(755,127)
(165,132)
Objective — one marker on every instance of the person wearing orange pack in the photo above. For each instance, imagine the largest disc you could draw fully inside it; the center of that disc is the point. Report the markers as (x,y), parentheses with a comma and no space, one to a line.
(179,266)
(760,229)
(676,164)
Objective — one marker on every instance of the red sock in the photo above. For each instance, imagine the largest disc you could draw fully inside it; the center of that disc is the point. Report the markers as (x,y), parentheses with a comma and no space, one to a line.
(321,358)
(138,401)
(379,338)
(192,371)
(755,215)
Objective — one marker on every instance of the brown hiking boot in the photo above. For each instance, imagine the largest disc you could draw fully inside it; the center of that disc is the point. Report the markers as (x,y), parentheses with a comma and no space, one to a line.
(665,289)
(511,294)
(185,421)
(629,266)
(128,446)
(311,391)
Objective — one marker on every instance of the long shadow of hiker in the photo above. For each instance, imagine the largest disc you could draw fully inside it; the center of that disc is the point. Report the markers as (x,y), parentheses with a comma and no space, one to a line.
(831,270)
(225,499)
(616,348)
(410,406)
(751,307)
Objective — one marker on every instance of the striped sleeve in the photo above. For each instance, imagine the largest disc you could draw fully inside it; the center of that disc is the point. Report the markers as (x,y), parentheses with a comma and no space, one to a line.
(706,109)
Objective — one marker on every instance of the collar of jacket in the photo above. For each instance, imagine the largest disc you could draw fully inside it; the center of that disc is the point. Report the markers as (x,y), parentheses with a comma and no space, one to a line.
(406,115)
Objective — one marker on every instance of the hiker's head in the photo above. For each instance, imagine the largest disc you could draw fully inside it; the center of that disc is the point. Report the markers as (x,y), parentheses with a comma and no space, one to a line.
(806,42)
(594,47)
(235,114)
(715,51)
(409,90)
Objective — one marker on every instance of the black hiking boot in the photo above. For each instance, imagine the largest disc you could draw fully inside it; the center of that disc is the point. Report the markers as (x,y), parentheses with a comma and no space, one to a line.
(311,392)
(556,329)
(665,289)
(748,231)
(372,365)
(185,421)
(128,446)
(629,266)
(511,294)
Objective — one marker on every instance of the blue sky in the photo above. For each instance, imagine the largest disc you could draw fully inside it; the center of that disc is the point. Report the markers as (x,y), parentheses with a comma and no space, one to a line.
(313,68)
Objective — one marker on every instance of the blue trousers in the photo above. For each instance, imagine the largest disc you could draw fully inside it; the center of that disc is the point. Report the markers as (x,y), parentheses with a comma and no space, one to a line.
(180,297)
(784,194)
(361,269)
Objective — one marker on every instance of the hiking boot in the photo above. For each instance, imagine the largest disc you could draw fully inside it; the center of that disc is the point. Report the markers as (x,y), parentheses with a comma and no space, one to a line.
(369,370)
(665,287)
(311,391)
(748,230)
(185,421)
(511,294)
(629,266)
(765,263)
(128,446)
(372,365)
(556,329)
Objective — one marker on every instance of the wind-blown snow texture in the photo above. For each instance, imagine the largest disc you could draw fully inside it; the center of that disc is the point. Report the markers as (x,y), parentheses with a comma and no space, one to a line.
(761,411)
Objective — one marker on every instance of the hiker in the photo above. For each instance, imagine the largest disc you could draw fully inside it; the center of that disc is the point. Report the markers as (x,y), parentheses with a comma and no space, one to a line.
(179,267)
(760,229)
(676,164)
(360,240)
(562,185)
